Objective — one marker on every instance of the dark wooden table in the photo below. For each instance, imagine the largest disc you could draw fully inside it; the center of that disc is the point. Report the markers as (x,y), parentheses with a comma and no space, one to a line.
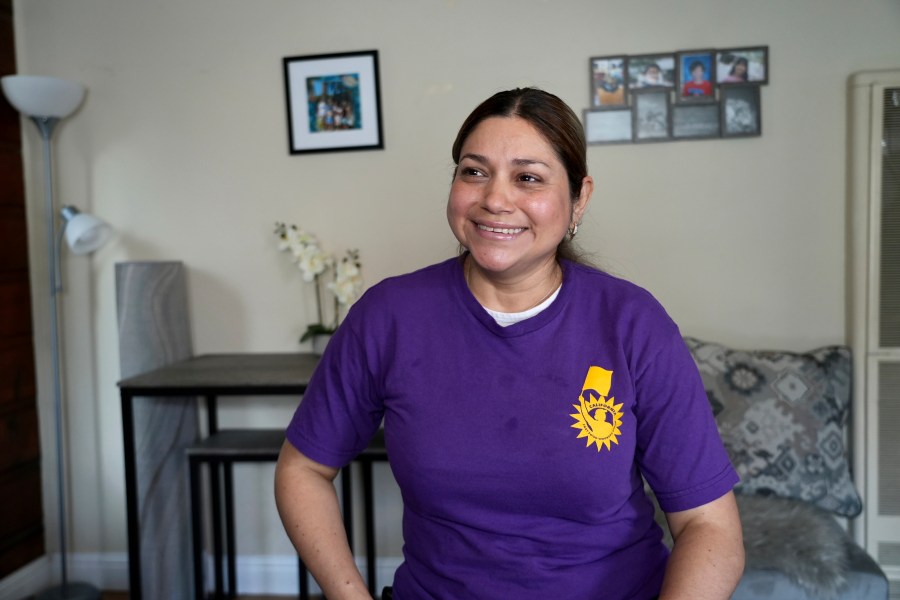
(202,377)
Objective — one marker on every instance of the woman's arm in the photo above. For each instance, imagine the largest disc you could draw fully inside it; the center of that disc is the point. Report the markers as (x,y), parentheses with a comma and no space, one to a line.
(708,557)
(309,510)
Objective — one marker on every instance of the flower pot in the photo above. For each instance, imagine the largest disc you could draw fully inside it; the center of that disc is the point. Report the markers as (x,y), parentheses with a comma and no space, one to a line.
(319,341)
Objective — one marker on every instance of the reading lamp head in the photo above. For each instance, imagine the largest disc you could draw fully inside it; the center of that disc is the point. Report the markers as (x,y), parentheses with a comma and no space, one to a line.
(84,232)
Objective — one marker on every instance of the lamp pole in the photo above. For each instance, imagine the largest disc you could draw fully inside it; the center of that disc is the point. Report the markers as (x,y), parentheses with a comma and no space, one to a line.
(46,125)
(66,590)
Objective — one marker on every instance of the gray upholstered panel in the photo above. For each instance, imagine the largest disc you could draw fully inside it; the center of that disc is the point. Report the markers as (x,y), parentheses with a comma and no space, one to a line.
(154,330)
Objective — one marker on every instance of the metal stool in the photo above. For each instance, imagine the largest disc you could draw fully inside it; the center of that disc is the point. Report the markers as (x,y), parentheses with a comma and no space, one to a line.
(224,448)
(375,452)
(221,450)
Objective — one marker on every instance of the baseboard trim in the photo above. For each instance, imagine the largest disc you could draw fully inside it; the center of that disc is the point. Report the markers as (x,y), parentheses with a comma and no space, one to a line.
(29,580)
(258,575)
(278,575)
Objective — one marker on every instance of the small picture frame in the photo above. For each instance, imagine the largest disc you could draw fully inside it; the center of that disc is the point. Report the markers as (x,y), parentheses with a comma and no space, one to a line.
(743,65)
(608,87)
(651,71)
(740,111)
(333,102)
(608,125)
(695,121)
(696,76)
(652,116)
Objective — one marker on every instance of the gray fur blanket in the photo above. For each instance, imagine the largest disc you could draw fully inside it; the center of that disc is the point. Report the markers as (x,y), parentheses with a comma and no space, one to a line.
(794,537)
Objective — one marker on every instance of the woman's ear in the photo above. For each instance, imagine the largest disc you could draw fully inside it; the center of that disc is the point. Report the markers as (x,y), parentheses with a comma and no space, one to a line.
(584,198)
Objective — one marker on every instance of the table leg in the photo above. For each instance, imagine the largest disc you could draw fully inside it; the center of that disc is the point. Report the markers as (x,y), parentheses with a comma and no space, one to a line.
(212,421)
(369,511)
(230,544)
(212,415)
(196,527)
(216,501)
(302,576)
(347,502)
(131,499)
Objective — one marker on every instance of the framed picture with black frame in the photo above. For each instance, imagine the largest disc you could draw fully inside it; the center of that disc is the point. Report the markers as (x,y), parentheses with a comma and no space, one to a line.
(652,116)
(333,102)
(608,125)
(742,65)
(695,121)
(695,75)
(740,111)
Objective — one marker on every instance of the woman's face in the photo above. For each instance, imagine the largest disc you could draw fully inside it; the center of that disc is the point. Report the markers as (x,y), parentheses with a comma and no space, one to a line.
(740,68)
(509,203)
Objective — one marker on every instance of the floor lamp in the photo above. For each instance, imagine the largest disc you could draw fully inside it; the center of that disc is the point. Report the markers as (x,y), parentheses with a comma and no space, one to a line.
(46,100)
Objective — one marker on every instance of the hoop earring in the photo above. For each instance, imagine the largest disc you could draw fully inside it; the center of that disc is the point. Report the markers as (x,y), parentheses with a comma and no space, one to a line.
(573,230)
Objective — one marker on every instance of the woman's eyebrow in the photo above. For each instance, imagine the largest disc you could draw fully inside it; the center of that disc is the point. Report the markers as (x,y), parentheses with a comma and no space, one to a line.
(472,156)
(529,161)
(520,162)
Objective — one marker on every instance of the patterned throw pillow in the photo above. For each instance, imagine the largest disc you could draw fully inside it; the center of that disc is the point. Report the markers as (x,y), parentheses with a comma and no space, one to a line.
(782,417)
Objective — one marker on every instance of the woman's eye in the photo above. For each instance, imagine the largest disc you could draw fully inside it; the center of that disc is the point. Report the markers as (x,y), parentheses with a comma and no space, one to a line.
(528,178)
(470,171)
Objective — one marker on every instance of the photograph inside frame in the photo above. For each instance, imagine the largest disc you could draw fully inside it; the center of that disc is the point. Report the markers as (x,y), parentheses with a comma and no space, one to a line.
(742,65)
(608,81)
(651,71)
(740,111)
(608,126)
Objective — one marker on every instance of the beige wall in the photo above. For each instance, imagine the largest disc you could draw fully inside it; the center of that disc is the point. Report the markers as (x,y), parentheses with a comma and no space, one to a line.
(181,146)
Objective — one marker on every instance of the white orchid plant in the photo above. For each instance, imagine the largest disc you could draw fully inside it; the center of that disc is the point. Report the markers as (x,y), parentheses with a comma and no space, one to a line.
(313,262)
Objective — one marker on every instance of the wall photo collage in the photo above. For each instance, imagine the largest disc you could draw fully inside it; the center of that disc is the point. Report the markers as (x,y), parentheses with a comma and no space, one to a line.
(685,95)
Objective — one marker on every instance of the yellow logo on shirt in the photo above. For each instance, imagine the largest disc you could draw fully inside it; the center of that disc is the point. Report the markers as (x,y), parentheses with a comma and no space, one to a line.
(598,417)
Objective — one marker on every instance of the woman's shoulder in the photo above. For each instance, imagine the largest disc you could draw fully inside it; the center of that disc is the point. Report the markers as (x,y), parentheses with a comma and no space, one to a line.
(423,278)
(615,297)
(614,286)
(415,286)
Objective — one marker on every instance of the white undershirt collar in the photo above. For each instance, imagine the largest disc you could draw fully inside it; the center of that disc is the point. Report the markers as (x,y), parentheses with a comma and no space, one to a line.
(505,319)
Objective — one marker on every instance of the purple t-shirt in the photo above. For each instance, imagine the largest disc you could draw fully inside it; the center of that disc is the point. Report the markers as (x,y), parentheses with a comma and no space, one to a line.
(519,450)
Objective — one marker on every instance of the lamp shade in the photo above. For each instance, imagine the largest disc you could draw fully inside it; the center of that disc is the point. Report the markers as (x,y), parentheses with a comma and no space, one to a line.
(38,96)
(84,232)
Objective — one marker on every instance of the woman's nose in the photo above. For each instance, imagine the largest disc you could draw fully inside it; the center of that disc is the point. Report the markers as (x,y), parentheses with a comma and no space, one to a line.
(498,197)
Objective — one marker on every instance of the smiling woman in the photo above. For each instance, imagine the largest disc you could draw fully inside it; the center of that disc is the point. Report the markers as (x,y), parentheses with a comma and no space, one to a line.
(524,395)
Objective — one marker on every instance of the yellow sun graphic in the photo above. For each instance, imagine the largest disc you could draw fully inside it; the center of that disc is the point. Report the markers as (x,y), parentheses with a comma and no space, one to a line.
(599,419)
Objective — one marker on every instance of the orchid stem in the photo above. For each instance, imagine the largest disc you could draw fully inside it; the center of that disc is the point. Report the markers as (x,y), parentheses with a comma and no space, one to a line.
(319,300)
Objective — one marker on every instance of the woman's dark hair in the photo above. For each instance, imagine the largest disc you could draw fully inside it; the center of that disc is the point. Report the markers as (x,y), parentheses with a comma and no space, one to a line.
(554,120)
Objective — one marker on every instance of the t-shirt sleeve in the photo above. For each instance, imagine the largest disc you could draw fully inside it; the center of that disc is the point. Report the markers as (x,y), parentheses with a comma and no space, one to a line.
(680,452)
(341,409)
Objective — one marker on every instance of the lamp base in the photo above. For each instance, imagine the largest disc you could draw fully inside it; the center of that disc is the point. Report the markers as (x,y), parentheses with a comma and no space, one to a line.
(71,591)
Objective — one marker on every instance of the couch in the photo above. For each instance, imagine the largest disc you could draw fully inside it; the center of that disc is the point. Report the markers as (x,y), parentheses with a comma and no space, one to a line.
(783,418)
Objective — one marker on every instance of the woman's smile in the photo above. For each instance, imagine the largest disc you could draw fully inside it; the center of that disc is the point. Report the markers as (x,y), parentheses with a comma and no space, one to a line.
(500,229)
